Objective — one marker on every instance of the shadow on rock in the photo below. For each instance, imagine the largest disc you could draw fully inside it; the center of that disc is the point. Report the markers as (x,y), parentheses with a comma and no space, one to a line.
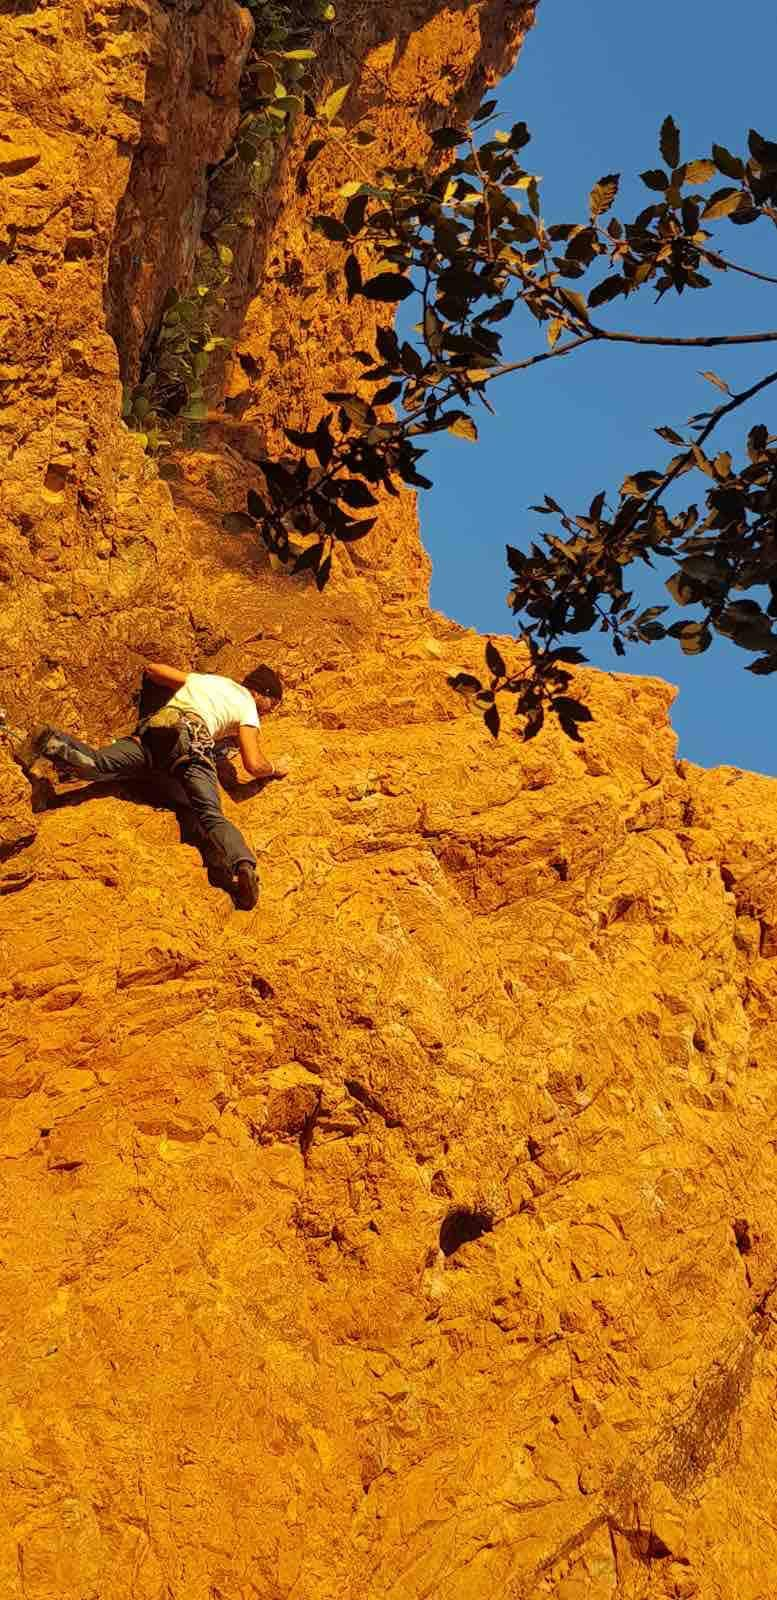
(158,793)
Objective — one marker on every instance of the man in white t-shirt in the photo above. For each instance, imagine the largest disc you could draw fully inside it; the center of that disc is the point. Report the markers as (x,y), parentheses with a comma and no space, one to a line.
(179,740)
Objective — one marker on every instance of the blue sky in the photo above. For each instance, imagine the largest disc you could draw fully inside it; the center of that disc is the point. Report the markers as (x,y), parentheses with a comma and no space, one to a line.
(594,83)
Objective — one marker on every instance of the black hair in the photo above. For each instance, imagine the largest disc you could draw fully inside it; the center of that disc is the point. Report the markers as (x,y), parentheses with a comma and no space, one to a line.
(264,681)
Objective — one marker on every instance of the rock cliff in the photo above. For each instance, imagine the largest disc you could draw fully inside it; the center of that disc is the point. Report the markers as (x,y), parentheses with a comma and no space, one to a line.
(414,1236)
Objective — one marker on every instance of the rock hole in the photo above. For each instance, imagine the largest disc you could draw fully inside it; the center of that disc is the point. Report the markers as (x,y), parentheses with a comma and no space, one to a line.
(56,478)
(561,869)
(263,988)
(742,1237)
(462,1225)
(79,247)
(249,364)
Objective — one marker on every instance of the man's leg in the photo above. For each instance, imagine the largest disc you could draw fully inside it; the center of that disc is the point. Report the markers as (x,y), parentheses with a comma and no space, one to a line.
(124,758)
(199,780)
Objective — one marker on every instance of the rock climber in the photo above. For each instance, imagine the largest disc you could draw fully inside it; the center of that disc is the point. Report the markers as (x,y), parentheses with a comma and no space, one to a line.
(179,740)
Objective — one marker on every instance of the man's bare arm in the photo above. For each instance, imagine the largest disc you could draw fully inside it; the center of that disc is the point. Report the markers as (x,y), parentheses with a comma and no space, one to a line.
(170,677)
(253,758)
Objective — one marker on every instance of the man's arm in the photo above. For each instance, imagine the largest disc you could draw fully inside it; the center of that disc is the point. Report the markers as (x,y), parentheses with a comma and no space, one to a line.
(170,677)
(253,758)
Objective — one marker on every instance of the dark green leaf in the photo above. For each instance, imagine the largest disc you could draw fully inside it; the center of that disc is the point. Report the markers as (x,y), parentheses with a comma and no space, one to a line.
(641,483)
(351,531)
(353,276)
(603,194)
(695,638)
(464,683)
(331,228)
(322,575)
(388,286)
(464,427)
(354,492)
(434,330)
(334,103)
(729,165)
(682,589)
(757,440)
(492,720)
(534,723)
(764,151)
(722,203)
(669,142)
(574,709)
(655,179)
(355,211)
(309,558)
(387,395)
(411,360)
(303,440)
(323,443)
(575,301)
(519,136)
(699,172)
(256,505)
(495,661)
(448,138)
(569,654)
(609,289)
(705,569)
(387,345)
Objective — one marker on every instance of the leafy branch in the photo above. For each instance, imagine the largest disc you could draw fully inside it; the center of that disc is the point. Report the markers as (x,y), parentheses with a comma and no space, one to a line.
(465,235)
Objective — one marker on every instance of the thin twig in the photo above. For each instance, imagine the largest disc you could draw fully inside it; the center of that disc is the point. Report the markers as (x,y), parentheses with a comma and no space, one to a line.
(718,260)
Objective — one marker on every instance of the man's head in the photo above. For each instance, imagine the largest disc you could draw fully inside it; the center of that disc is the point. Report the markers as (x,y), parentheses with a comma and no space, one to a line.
(266,688)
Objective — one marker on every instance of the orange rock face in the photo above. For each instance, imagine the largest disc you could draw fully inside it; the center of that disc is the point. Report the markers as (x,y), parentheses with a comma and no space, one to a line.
(413,1236)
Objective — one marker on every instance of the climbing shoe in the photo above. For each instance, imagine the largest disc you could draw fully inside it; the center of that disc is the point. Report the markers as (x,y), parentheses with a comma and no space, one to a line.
(246,886)
(48,745)
(31,749)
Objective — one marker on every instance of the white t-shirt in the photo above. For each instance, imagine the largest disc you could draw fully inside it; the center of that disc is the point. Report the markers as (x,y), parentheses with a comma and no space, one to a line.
(223,705)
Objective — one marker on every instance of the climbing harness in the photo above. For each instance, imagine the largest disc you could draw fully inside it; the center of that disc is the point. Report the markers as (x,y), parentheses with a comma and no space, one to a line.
(170,738)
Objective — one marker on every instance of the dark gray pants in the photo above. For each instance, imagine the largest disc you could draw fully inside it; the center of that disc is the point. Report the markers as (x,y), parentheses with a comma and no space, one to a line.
(125,758)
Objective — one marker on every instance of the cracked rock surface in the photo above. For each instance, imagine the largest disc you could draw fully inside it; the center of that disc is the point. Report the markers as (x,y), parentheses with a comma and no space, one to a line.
(415,1235)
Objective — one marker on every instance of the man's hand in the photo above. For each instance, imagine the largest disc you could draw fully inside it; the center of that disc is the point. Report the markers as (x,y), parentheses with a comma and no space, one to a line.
(255,761)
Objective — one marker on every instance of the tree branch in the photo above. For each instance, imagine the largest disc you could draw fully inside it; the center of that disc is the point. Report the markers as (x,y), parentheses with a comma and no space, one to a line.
(707,342)
(597,334)
(688,459)
(532,361)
